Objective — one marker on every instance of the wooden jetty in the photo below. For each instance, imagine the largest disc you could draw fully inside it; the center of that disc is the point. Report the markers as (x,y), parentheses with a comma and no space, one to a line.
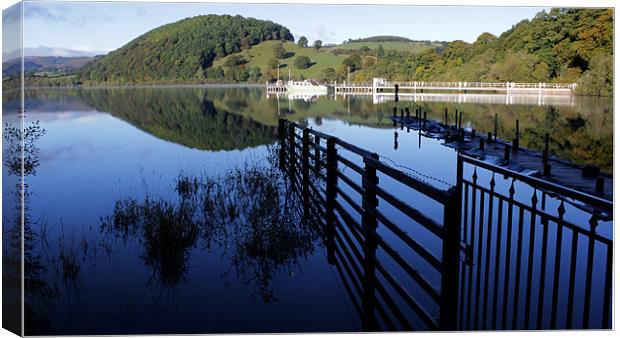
(508,154)
(380,85)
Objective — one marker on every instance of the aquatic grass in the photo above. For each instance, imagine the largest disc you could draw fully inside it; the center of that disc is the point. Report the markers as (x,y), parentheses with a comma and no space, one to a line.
(248,212)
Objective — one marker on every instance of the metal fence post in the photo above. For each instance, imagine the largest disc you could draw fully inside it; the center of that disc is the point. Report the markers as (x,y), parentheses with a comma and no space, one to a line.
(317,154)
(369,225)
(291,149)
(305,164)
(450,254)
(282,140)
(331,182)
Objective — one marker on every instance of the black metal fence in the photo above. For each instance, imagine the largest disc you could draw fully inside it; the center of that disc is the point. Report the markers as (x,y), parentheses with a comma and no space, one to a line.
(536,257)
(497,265)
(388,292)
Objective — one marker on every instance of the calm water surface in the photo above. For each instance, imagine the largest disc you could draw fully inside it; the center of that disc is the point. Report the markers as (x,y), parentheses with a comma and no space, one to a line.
(149,212)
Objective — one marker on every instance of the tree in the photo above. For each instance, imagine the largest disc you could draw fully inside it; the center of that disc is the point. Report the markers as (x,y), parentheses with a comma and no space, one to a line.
(279,51)
(380,52)
(235,60)
(328,74)
(599,79)
(302,62)
(255,74)
(317,45)
(303,42)
(274,63)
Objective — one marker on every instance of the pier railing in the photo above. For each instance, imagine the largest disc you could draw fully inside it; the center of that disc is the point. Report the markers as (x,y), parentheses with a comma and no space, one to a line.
(480,255)
(377,258)
(531,248)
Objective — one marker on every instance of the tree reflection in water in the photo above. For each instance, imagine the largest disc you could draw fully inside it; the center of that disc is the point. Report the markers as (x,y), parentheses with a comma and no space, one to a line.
(21,159)
(248,212)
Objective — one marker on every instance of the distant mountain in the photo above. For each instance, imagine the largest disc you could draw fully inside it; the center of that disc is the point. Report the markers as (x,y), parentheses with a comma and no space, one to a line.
(40,64)
(50,51)
(181,51)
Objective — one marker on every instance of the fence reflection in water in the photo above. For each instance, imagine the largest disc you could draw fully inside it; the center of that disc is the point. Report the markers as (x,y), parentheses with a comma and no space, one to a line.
(394,278)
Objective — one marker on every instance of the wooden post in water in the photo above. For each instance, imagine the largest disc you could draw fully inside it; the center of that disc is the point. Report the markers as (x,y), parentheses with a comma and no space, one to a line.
(495,133)
(515,142)
(331,182)
(282,139)
(460,120)
(369,226)
(451,254)
(600,184)
(408,113)
(395,110)
(489,137)
(473,134)
(402,115)
(456,119)
(546,165)
(482,144)
(395,140)
(305,167)
(396,92)
(507,153)
(445,113)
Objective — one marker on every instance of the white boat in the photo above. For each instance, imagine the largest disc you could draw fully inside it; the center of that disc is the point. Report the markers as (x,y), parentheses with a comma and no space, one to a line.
(306,86)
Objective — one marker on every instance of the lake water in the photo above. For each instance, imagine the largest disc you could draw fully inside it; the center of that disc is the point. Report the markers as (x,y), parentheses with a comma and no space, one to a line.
(161,210)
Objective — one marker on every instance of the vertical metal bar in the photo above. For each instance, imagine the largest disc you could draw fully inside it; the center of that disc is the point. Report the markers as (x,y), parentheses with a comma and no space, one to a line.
(450,253)
(495,310)
(530,259)
(317,153)
(511,191)
(369,224)
(571,281)
(479,258)
(471,234)
(556,266)
(515,305)
(291,151)
(305,165)
(543,273)
(607,291)
(589,276)
(487,258)
(282,140)
(466,230)
(331,182)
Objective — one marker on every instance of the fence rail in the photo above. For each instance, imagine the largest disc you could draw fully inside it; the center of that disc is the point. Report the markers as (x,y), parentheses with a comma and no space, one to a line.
(526,258)
(357,231)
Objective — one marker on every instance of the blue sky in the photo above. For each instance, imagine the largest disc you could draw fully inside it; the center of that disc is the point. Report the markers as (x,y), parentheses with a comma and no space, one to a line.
(107,26)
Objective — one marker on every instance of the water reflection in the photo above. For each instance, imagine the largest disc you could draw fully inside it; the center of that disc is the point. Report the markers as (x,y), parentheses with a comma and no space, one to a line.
(21,159)
(248,213)
(244,220)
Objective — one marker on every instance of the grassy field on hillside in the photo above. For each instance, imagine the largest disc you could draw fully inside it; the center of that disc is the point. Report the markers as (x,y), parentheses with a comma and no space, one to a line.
(401,46)
(261,54)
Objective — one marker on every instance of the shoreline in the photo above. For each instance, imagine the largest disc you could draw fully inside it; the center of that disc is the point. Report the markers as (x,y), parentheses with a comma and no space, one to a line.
(189,85)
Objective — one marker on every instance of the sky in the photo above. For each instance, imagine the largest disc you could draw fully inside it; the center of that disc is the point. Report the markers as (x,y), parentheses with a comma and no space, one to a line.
(93,28)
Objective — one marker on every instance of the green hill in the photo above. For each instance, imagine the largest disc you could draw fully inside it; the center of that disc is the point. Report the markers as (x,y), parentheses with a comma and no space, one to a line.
(261,54)
(181,51)
(562,45)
